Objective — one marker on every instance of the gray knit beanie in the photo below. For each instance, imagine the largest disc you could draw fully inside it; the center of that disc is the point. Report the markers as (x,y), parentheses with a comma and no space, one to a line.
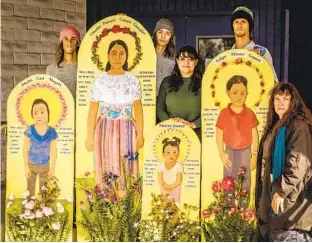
(164,24)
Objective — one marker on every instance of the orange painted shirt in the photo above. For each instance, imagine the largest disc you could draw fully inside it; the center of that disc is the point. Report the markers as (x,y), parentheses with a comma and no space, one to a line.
(237,127)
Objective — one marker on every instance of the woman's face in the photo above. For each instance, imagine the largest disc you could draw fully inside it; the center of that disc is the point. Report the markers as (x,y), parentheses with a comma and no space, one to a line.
(281,104)
(70,44)
(171,154)
(117,57)
(186,65)
(40,114)
(163,37)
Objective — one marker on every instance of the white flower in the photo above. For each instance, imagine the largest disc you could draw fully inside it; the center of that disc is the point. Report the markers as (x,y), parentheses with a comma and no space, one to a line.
(11,196)
(51,181)
(181,220)
(136,225)
(24,202)
(174,233)
(47,211)
(69,199)
(60,207)
(167,217)
(27,215)
(30,205)
(198,227)
(9,204)
(56,226)
(156,238)
(25,194)
(43,188)
(39,214)
(158,202)
(190,222)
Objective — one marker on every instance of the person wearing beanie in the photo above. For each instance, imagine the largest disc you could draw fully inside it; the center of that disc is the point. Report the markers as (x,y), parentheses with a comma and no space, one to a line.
(65,66)
(163,41)
(242,23)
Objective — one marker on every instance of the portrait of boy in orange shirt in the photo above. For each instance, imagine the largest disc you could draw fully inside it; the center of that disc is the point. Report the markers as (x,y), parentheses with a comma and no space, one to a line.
(236,132)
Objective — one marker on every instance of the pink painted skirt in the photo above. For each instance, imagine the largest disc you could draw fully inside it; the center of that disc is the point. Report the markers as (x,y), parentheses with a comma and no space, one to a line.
(115,142)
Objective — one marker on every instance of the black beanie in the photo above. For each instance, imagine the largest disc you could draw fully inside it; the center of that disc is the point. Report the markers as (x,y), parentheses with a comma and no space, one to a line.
(243,13)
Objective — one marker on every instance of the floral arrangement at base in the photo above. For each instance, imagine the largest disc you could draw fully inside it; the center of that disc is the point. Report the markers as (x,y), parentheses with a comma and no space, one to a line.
(229,218)
(39,218)
(169,223)
(109,213)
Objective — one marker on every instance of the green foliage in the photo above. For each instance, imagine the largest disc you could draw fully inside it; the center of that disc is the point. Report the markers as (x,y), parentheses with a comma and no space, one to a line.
(113,213)
(41,218)
(228,218)
(169,223)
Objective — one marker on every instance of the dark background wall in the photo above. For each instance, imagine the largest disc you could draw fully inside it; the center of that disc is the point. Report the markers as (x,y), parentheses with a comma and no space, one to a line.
(212,17)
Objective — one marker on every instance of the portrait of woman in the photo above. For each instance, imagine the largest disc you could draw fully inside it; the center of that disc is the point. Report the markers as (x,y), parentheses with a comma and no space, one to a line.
(115,135)
(284,168)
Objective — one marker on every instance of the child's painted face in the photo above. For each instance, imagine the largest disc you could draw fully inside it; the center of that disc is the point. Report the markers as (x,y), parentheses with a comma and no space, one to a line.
(171,154)
(237,94)
(117,56)
(40,114)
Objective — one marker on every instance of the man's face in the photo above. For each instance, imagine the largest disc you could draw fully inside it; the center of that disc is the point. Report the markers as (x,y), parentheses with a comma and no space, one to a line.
(241,27)
(70,44)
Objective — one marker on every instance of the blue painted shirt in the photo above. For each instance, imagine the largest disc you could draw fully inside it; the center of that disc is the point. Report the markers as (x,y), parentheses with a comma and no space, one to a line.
(39,152)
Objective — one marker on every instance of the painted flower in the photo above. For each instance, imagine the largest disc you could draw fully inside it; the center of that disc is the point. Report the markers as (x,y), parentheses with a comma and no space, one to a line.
(39,214)
(24,202)
(241,171)
(11,196)
(206,213)
(56,226)
(59,207)
(25,194)
(43,188)
(30,204)
(87,173)
(9,204)
(126,30)
(27,215)
(216,187)
(228,183)
(105,32)
(47,211)
(136,225)
(233,209)
(116,28)
(248,215)
(69,199)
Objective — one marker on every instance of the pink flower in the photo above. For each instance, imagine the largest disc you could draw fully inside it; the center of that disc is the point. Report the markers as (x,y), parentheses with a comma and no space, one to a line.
(241,171)
(39,214)
(216,187)
(206,214)
(248,215)
(47,211)
(233,209)
(228,183)
(30,204)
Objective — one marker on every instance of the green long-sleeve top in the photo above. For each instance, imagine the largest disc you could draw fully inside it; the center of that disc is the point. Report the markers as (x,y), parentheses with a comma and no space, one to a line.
(183,103)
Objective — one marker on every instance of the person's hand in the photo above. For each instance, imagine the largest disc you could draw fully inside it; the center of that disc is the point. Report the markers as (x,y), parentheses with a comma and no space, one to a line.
(253,162)
(27,171)
(187,123)
(226,161)
(277,203)
(139,141)
(51,171)
(89,143)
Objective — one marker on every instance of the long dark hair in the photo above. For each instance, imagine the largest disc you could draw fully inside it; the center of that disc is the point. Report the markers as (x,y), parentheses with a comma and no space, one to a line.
(175,81)
(170,48)
(59,53)
(297,108)
(175,142)
(37,102)
(112,44)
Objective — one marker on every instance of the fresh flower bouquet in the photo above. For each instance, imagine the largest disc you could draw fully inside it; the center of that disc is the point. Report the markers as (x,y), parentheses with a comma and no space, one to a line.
(169,223)
(109,213)
(41,218)
(229,218)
